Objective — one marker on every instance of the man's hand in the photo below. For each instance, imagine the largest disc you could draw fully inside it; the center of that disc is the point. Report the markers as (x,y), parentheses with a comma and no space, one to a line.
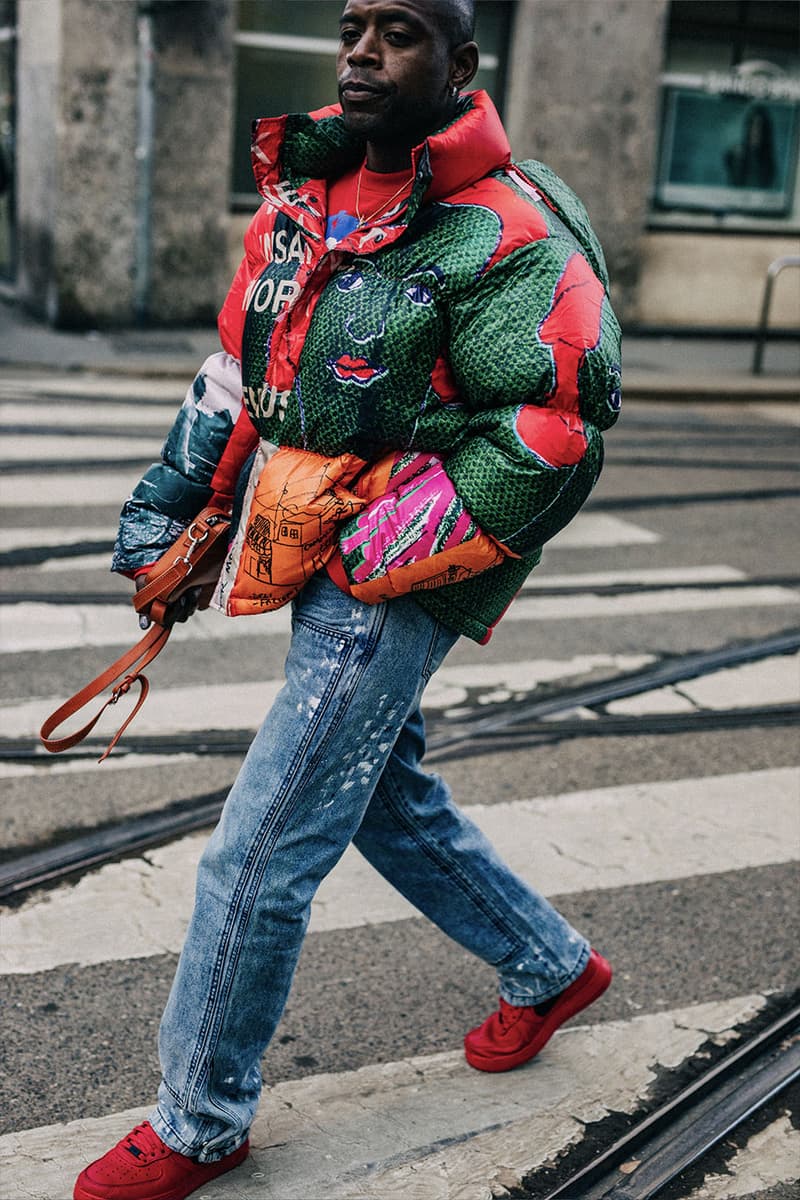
(178,612)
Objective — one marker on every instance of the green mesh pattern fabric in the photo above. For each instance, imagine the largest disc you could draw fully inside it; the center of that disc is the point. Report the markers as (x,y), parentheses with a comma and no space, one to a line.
(600,376)
(405,292)
(496,355)
(318,149)
(522,504)
(570,210)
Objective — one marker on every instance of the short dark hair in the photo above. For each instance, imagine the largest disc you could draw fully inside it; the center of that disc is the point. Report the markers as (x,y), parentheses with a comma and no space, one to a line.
(456,19)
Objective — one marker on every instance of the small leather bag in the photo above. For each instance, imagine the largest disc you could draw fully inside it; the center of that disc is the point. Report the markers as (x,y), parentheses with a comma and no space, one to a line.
(193,561)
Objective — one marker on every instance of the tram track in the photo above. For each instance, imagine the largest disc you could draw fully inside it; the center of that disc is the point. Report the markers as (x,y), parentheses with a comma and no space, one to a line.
(211,742)
(680,1133)
(690,499)
(661,674)
(509,726)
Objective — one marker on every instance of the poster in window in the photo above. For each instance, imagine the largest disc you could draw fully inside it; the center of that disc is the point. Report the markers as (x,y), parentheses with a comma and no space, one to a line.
(727,153)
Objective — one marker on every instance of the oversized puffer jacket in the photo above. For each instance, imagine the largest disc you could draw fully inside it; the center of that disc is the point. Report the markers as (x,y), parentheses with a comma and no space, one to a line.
(473,324)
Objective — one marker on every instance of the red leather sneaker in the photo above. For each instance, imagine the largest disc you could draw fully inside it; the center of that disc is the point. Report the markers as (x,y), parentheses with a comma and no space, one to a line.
(141,1167)
(514,1035)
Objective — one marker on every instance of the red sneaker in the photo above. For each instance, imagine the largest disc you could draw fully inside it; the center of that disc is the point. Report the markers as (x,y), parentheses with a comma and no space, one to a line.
(141,1167)
(514,1035)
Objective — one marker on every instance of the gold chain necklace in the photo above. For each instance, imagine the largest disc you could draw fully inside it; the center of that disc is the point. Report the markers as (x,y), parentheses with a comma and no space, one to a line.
(367,217)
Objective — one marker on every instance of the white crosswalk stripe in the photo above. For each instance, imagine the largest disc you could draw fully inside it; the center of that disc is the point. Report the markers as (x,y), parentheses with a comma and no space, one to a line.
(40,626)
(175,710)
(74,535)
(610,837)
(104,390)
(667,600)
(31,447)
(79,414)
(241,705)
(66,489)
(34,625)
(773,680)
(120,762)
(640,577)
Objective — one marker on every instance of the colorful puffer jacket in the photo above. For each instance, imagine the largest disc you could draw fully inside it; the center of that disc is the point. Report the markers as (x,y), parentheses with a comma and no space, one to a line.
(473,324)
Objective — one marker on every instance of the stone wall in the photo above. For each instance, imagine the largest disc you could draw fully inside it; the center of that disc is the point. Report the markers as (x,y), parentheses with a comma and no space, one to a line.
(583,98)
(96,146)
(193,130)
(715,281)
(38,102)
(78,200)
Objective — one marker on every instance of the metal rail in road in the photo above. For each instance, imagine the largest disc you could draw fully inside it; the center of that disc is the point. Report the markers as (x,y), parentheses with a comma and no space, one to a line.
(49,864)
(681,1132)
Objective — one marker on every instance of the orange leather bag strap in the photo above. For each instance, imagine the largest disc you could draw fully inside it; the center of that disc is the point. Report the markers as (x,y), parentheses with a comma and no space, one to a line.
(194,560)
(130,665)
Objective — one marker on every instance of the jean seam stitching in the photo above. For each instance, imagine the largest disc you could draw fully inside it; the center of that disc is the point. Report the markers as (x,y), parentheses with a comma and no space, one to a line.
(241,904)
(427,669)
(246,894)
(188,1150)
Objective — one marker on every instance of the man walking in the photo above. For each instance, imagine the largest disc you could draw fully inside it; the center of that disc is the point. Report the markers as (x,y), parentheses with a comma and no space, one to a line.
(432,321)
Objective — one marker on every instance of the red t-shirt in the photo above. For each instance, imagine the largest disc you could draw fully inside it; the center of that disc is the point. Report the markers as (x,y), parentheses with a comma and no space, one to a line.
(370,198)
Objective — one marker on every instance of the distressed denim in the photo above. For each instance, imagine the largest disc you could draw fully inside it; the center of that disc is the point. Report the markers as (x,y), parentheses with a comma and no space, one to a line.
(336,760)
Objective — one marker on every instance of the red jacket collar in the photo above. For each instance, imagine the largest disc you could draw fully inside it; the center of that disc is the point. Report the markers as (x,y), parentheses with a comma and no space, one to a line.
(290,151)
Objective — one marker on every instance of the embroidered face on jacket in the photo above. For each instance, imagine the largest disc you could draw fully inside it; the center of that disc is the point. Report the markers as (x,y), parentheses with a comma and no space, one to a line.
(368,298)
(368,377)
(373,341)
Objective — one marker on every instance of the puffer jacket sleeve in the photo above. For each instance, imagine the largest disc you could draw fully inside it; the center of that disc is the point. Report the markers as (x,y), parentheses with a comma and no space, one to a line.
(174,490)
(535,351)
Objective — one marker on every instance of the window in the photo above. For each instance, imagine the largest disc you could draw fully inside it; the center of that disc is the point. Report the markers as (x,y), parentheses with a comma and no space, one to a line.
(285,51)
(730,120)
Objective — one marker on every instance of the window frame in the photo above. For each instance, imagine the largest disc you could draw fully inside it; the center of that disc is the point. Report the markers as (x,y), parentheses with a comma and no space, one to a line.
(672,206)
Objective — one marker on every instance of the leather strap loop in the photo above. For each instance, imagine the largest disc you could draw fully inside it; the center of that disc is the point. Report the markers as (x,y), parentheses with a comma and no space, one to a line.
(130,665)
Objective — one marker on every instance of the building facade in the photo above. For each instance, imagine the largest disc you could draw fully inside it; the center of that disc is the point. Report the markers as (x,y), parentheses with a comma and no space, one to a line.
(124,139)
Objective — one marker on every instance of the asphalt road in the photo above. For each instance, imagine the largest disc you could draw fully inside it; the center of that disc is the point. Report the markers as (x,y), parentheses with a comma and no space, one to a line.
(688,544)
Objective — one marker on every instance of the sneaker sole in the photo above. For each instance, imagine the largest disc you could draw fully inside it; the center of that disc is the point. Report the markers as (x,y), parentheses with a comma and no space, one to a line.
(589,991)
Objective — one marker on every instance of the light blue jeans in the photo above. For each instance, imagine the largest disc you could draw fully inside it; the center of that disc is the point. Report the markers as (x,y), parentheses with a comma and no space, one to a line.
(336,760)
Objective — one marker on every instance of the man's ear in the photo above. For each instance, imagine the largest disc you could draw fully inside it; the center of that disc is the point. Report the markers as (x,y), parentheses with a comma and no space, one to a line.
(464,64)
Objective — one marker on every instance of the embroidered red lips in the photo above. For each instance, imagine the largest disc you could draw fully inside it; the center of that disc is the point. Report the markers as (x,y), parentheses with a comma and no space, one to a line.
(359,370)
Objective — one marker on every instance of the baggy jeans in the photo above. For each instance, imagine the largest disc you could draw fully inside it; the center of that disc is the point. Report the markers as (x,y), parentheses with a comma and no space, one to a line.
(336,760)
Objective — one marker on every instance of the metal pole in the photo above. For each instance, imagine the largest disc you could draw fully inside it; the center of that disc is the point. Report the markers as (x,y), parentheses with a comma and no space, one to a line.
(773,271)
(145,120)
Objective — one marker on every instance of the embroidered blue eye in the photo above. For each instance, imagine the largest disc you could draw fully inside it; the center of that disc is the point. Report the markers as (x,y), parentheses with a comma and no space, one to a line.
(614,387)
(350,282)
(419,293)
